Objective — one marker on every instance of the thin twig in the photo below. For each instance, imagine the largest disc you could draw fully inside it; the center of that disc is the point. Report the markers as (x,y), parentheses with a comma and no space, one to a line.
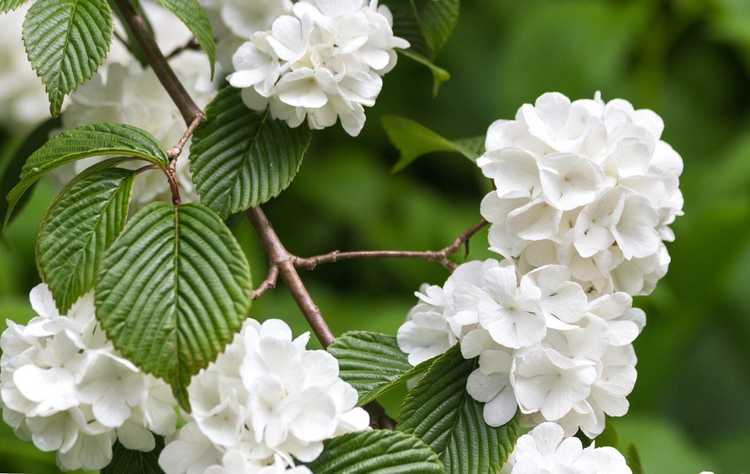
(441,256)
(125,43)
(268,283)
(176,150)
(190,45)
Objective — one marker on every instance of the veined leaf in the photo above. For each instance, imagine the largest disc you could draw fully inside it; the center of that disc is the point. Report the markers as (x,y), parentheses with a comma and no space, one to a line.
(66,41)
(437,18)
(79,227)
(439,75)
(414,140)
(127,461)
(13,162)
(241,158)
(378,451)
(371,362)
(103,139)
(173,291)
(192,14)
(440,411)
(10,5)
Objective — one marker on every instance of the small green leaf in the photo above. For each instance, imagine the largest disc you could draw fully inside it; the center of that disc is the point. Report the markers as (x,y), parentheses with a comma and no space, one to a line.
(173,290)
(440,411)
(372,363)
(126,461)
(13,162)
(608,437)
(192,14)
(241,158)
(439,75)
(414,140)
(377,451)
(634,460)
(103,140)
(10,5)
(66,42)
(79,227)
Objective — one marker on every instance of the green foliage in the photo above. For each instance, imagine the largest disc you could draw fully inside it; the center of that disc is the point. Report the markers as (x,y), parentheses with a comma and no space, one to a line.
(378,451)
(191,13)
(371,362)
(439,75)
(634,460)
(173,291)
(414,140)
(440,411)
(67,41)
(82,223)
(102,139)
(126,461)
(10,5)
(14,159)
(241,158)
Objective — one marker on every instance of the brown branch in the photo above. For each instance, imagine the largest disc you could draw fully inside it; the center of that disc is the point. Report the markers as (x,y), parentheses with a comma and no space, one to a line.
(188,108)
(192,44)
(268,283)
(176,150)
(441,256)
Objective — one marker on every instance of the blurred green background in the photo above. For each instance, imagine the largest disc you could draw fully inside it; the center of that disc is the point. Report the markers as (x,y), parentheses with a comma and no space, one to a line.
(689,60)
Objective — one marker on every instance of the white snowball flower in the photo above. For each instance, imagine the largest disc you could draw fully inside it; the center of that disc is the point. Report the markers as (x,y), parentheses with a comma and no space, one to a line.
(585,184)
(23,101)
(63,387)
(546,450)
(321,62)
(266,399)
(132,95)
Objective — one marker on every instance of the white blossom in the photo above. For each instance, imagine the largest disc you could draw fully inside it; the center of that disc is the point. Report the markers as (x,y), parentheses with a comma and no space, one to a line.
(322,62)
(585,184)
(544,347)
(23,101)
(63,387)
(546,450)
(265,400)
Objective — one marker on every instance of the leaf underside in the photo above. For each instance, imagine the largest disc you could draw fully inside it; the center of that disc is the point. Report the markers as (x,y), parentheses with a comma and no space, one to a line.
(440,411)
(173,291)
(241,158)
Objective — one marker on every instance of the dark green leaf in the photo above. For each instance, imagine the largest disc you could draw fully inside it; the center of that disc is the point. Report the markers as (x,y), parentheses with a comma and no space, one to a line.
(371,362)
(440,411)
(66,41)
(126,461)
(103,140)
(191,13)
(79,227)
(173,291)
(378,451)
(9,5)
(241,158)
(414,140)
(437,18)
(634,460)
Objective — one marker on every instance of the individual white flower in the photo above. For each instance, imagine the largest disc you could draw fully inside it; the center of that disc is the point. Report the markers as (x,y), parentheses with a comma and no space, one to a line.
(23,101)
(321,62)
(132,95)
(266,399)
(546,450)
(584,184)
(63,387)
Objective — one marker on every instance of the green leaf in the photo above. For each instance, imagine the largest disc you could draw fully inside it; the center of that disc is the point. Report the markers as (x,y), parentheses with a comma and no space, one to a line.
(10,5)
(104,140)
(371,362)
(79,227)
(66,42)
(377,451)
(608,437)
(439,75)
(440,411)
(437,19)
(173,291)
(241,158)
(634,460)
(126,461)
(12,163)
(192,14)
(414,140)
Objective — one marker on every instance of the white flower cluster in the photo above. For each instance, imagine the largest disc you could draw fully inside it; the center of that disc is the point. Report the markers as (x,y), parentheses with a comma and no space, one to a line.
(585,184)
(545,449)
(128,93)
(543,346)
(23,101)
(64,387)
(265,400)
(322,62)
